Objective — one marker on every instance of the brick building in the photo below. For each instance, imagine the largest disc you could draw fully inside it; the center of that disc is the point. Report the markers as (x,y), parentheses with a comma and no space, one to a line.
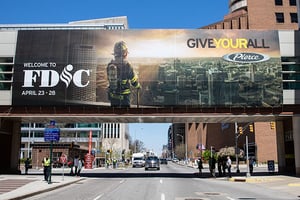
(257,14)
(41,150)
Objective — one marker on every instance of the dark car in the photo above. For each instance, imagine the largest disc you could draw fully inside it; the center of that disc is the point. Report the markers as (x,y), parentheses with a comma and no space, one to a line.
(152,162)
(163,161)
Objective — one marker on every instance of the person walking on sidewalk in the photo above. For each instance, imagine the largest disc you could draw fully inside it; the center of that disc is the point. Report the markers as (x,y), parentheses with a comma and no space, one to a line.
(200,165)
(212,166)
(80,165)
(46,165)
(76,163)
(228,163)
(27,165)
(251,164)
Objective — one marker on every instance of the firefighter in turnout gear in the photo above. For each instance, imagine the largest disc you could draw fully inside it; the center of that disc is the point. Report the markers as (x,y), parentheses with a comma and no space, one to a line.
(121,76)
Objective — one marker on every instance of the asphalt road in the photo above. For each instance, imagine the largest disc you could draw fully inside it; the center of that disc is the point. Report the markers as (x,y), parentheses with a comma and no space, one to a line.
(172,182)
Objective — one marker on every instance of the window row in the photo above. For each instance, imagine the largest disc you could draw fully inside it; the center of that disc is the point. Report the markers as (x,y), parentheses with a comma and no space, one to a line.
(280,2)
(6,72)
(280,17)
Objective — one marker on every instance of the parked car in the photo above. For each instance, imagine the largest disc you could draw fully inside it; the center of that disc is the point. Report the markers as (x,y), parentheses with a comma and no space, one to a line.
(163,161)
(152,162)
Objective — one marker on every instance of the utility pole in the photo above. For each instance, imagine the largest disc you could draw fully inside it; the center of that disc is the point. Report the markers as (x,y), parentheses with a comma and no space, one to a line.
(236,147)
(247,157)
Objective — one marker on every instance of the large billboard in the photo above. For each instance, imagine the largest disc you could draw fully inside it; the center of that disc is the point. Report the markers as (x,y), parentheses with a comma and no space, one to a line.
(148,68)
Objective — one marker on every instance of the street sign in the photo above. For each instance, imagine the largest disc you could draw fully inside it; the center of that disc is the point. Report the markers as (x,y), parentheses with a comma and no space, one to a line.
(51,134)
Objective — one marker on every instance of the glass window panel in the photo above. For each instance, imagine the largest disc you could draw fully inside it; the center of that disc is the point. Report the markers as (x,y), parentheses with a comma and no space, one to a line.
(278,2)
(279,17)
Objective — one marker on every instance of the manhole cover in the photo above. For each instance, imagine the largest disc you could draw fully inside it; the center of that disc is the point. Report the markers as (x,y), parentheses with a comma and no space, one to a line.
(211,193)
(194,199)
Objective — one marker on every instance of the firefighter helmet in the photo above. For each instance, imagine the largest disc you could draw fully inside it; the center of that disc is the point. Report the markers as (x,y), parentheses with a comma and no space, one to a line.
(120,49)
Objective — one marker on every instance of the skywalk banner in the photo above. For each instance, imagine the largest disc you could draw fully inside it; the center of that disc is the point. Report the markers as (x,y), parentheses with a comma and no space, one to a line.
(161,68)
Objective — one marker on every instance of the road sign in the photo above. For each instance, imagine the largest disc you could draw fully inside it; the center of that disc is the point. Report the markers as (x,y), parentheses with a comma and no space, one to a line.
(51,134)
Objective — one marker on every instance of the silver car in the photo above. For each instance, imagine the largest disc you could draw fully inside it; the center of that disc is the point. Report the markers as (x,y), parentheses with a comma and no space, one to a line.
(152,162)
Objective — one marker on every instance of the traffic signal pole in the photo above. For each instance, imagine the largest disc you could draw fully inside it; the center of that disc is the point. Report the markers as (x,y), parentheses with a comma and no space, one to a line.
(236,147)
(239,131)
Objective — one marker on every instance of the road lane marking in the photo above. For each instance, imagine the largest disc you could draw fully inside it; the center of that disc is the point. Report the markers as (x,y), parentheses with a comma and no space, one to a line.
(162,196)
(161,181)
(230,198)
(98,197)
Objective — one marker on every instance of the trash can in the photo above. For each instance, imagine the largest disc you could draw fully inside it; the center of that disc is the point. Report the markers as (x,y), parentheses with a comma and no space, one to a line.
(271,166)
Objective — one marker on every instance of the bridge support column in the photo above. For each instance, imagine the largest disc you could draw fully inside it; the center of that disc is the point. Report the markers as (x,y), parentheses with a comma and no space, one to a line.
(10,141)
(296,137)
(280,146)
(15,147)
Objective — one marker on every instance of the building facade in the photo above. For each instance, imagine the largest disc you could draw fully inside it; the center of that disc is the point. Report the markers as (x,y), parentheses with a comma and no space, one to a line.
(105,136)
(246,14)
(243,14)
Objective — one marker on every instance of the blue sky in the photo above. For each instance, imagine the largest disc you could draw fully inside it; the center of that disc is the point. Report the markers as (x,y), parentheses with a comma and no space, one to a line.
(141,14)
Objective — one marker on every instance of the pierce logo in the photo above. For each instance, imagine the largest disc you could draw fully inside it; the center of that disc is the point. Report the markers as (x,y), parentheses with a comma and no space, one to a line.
(50,78)
(246,57)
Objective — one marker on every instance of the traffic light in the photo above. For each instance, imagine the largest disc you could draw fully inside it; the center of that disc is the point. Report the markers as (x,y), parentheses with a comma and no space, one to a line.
(272,125)
(241,130)
(251,128)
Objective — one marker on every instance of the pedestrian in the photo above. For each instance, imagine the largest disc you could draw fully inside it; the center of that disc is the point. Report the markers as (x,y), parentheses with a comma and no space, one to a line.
(107,163)
(200,165)
(46,165)
(220,163)
(121,76)
(228,164)
(212,166)
(76,163)
(224,165)
(114,163)
(80,165)
(251,164)
(27,165)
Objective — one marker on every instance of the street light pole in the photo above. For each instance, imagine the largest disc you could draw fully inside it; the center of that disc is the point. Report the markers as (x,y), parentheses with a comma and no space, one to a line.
(247,157)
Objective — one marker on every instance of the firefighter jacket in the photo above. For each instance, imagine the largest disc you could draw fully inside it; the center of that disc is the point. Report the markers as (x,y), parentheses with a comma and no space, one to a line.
(120,76)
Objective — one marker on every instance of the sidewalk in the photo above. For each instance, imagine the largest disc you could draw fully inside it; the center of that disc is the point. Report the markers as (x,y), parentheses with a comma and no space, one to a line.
(22,186)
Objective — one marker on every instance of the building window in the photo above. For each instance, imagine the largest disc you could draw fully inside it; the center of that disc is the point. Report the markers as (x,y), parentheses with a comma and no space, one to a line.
(278,2)
(293,3)
(6,72)
(294,17)
(291,85)
(279,17)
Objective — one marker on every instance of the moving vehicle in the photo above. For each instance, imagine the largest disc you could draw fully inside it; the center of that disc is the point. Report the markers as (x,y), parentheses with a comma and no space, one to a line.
(163,161)
(152,162)
(138,160)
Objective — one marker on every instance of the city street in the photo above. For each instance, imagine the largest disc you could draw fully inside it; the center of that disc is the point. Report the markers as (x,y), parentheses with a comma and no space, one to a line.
(172,181)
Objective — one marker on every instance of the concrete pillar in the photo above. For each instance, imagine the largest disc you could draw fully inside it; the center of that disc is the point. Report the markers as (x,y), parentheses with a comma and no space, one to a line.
(15,147)
(280,146)
(296,137)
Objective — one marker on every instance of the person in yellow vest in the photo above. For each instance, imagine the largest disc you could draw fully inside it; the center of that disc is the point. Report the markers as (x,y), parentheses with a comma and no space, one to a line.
(46,165)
